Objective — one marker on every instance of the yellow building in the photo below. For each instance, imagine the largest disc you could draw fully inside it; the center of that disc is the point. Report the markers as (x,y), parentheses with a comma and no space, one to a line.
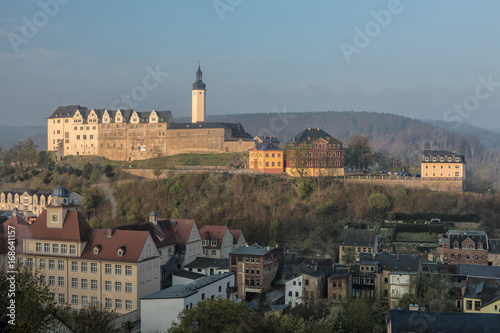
(480,298)
(266,158)
(442,165)
(82,265)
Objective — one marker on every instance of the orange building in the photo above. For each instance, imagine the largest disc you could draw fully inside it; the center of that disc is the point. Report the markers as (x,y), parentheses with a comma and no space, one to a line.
(266,158)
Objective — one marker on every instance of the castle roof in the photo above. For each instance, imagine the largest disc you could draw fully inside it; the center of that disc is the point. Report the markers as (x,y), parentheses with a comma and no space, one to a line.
(312,135)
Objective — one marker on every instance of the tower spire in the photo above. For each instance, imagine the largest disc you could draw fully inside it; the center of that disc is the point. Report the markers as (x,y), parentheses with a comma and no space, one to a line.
(198,107)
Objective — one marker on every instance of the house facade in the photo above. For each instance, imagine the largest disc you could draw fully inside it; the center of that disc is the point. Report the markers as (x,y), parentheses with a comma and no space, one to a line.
(266,158)
(255,268)
(313,152)
(217,241)
(358,241)
(465,247)
(442,164)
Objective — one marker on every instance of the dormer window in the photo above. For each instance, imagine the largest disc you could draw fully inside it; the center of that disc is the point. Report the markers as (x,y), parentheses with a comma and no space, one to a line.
(121,251)
(97,249)
(214,243)
(205,242)
(174,223)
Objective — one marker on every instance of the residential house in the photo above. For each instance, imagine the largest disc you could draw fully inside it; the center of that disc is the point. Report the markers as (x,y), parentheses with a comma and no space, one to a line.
(313,152)
(217,241)
(360,241)
(465,247)
(266,158)
(443,165)
(160,310)
(314,285)
(255,267)
(339,285)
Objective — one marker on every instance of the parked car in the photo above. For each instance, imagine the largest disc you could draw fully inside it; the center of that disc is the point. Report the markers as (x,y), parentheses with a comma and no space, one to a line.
(383,172)
(416,175)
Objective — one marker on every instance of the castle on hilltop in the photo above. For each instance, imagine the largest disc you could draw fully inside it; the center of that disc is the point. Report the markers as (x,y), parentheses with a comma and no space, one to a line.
(129,135)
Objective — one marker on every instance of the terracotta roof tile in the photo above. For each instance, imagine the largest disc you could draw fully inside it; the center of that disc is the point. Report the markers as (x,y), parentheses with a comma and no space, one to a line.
(181,229)
(131,241)
(75,228)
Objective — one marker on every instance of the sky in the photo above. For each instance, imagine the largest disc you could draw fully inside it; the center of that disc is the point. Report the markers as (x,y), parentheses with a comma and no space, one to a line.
(421,59)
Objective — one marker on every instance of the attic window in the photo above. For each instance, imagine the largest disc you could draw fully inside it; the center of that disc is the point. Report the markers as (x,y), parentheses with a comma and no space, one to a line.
(97,249)
(121,251)
(174,223)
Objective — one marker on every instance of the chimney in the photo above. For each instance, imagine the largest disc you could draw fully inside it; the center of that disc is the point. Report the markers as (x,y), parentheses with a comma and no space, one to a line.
(333,269)
(110,232)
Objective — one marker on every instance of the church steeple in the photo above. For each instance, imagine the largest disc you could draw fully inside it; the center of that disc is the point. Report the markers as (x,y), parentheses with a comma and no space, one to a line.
(198,106)
(199,83)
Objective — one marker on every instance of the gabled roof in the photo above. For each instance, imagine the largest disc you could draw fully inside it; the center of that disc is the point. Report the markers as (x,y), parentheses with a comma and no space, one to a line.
(181,228)
(357,237)
(67,111)
(405,262)
(75,228)
(161,236)
(443,153)
(213,233)
(290,272)
(236,235)
(461,235)
(443,322)
(131,241)
(311,135)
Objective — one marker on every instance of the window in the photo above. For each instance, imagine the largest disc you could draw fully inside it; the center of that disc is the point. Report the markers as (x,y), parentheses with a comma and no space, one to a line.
(84,283)
(61,298)
(202,296)
(340,284)
(64,248)
(118,269)
(214,252)
(257,272)
(42,263)
(296,294)
(29,262)
(107,268)
(60,265)
(93,284)
(46,247)
(38,247)
(107,286)
(52,264)
(128,305)
(107,303)
(74,266)
(93,300)
(118,287)
(55,248)
(84,301)
(72,249)
(74,299)
(118,304)
(307,282)
(290,293)
(93,267)
(294,283)
(60,281)
(128,270)
(128,287)
(74,283)
(84,267)
(52,280)
(42,280)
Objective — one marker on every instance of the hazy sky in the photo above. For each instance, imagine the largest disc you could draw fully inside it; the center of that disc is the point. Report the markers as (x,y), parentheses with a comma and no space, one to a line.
(423,59)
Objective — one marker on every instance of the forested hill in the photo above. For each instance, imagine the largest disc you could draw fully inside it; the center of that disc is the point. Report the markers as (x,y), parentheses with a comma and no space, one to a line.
(403,137)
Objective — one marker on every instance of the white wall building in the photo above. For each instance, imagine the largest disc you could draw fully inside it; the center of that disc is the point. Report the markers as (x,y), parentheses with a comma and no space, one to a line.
(160,310)
(293,292)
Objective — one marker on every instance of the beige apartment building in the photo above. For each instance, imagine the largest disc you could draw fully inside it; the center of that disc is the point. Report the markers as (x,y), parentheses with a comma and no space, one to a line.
(129,135)
(442,165)
(84,265)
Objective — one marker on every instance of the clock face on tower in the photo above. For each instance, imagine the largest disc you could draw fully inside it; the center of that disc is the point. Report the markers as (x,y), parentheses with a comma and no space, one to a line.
(54,218)
(194,93)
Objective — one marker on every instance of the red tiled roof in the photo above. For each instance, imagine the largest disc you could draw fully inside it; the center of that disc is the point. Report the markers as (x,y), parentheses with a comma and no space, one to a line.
(181,229)
(212,233)
(21,229)
(132,241)
(236,235)
(75,228)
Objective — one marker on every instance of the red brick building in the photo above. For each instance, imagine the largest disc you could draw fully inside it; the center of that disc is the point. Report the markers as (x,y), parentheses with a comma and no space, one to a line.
(255,267)
(314,152)
(465,247)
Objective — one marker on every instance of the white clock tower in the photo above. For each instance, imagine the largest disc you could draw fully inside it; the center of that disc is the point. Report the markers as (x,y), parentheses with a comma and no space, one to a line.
(198,109)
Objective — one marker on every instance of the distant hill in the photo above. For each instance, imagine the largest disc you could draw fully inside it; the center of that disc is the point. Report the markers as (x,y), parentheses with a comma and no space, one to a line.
(488,138)
(12,135)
